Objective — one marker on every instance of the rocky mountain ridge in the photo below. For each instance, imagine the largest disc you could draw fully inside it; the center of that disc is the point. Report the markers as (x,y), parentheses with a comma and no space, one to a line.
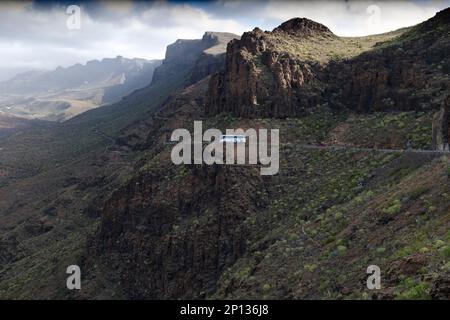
(265,76)
(205,54)
(65,92)
(208,240)
(93,74)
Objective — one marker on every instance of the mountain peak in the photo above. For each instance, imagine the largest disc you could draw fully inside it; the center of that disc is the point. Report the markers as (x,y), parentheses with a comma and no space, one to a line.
(303,27)
(441,19)
(216,42)
(443,15)
(219,36)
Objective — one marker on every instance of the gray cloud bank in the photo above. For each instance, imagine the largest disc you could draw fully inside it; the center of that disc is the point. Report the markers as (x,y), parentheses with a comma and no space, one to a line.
(34,35)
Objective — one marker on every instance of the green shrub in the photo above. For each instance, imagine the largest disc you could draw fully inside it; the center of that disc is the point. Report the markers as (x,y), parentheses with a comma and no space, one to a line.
(338,215)
(394,207)
(445,251)
(381,250)
(310,267)
(412,290)
(424,250)
(266,287)
(341,249)
(439,243)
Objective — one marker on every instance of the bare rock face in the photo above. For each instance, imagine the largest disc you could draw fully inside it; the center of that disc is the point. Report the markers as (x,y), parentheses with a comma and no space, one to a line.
(205,54)
(212,59)
(410,73)
(171,247)
(303,27)
(441,288)
(265,76)
(170,231)
(261,81)
(441,122)
(205,65)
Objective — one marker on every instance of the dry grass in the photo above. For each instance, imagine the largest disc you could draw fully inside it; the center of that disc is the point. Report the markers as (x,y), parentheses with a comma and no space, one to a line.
(325,48)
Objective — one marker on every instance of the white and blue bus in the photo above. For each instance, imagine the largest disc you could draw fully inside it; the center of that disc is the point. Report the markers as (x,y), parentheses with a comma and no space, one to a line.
(232,138)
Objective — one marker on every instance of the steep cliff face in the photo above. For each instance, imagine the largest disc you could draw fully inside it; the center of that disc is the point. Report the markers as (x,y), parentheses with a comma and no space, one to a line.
(207,64)
(170,231)
(212,59)
(198,57)
(263,78)
(407,73)
(187,62)
(441,127)
(301,64)
(173,240)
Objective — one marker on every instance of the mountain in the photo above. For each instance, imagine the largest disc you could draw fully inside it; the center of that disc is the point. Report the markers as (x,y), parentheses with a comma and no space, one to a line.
(359,182)
(206,53)
(301,64)
(65,92)
(50,179)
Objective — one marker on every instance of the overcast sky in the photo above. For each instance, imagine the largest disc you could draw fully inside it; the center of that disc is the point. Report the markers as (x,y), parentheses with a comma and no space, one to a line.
(34,35)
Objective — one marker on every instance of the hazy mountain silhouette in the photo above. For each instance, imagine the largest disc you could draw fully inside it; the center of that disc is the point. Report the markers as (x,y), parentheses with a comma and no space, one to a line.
(65,92)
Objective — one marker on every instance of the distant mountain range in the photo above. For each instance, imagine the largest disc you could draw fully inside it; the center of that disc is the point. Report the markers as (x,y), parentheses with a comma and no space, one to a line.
(65,92)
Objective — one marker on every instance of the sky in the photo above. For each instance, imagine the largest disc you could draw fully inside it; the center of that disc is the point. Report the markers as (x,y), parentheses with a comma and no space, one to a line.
(42,35)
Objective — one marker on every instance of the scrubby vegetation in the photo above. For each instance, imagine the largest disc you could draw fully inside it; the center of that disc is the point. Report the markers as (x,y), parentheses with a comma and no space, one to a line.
(101,191)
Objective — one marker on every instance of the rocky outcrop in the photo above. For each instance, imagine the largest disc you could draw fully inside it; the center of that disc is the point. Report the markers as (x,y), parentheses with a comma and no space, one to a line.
(264,76)
(197,58)
(260,81)
(440,289)
(206,65)
(171,231)
(303,27)
(167,240)
(409,73)
(441,124)
(212,59)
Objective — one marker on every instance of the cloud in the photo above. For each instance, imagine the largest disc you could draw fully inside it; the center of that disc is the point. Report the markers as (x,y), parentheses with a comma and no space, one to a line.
(357,18)
(33,35)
